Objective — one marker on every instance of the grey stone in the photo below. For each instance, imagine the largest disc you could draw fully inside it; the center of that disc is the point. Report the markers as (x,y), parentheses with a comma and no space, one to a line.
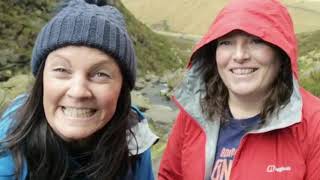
(140,84)
(152,78)
(142,102)
(161,114)
(5,74)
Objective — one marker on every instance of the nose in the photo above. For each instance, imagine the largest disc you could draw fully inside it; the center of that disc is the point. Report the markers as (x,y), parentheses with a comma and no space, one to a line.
(241,53)
(79,88)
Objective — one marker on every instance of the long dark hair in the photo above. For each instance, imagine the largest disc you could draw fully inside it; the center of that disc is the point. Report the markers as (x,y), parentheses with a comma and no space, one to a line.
(215,101)
(48,157)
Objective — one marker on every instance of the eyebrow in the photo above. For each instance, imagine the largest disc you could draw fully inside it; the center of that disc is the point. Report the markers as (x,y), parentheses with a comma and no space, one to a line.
(60,57)
(102,63)
(104,60)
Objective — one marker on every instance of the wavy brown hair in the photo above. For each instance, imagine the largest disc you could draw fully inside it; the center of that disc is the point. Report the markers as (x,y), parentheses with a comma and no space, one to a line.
(215,101)
(105,155)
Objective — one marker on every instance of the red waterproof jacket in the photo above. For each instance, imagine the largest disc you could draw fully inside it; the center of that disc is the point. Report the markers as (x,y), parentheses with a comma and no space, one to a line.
(287,147)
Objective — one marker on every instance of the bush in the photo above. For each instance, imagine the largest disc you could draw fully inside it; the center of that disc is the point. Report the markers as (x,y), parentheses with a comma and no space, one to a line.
(312,83)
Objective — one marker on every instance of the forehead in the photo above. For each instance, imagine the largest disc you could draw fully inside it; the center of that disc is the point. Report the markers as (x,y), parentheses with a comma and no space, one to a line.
(237,33)
(79,50)
(81,55)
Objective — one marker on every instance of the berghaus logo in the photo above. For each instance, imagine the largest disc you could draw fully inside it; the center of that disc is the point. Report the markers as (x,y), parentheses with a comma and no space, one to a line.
(274,168)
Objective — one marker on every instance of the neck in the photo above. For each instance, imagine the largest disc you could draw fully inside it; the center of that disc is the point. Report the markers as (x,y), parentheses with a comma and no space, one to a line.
(244,107)
(81,146)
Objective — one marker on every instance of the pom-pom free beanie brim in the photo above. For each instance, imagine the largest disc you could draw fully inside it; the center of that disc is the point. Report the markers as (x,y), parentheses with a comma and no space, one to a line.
(81,23)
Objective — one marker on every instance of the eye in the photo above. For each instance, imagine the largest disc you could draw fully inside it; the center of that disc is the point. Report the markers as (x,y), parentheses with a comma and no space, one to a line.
(224,43)
(257,41)
(101,76)
(60,70)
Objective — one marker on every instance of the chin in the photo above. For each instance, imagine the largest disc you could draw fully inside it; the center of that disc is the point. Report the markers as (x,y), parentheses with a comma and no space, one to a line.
(243,92)
(75,136)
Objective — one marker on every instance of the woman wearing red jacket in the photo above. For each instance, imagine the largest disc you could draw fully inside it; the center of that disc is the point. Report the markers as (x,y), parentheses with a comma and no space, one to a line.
(242,114)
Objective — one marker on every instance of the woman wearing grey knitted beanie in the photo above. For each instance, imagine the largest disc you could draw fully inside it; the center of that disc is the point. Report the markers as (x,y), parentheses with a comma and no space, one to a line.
(77,121)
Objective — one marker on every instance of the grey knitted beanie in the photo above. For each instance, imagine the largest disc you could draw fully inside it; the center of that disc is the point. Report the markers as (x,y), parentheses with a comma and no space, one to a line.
(82,23)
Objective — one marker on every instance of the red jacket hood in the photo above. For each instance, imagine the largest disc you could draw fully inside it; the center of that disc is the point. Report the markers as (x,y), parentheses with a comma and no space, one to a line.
(267,19)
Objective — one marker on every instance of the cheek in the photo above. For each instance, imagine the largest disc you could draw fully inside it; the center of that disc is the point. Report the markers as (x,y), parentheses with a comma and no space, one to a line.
(53,91)
(108,103)
(50,100)
(109,98)
(272,64)
(49,92)
(222,58)
(274,70)
(266,56)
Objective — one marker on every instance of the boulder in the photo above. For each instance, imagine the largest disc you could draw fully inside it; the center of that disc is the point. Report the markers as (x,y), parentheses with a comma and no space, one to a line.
(140,84)
(161,114)
(5,74)
(142,102)
(152,78)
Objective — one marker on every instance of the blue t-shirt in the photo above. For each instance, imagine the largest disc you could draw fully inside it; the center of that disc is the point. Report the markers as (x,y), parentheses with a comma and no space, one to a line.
(230,135)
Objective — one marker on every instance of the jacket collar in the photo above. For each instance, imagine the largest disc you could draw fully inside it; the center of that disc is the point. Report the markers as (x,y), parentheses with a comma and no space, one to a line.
(192,89)
(141,138)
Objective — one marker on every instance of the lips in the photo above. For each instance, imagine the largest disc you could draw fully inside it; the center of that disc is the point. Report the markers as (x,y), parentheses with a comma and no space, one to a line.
(78,112)
(243,71)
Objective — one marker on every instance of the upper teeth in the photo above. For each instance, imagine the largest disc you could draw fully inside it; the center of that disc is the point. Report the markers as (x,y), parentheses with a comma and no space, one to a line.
(78,112)
(243,70)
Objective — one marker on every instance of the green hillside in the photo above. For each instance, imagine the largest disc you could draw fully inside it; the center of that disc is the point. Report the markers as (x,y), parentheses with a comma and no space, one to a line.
(309,61)
(20,21)
(155,52)
(195,16)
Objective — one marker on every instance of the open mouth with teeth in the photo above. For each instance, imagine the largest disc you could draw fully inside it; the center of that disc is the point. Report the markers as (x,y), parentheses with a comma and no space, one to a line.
(78,112)
(243,71)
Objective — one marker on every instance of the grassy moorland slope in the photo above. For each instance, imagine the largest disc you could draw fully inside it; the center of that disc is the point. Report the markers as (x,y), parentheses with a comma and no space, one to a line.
(195,16)
(309,61)
(21,20)
(155,52)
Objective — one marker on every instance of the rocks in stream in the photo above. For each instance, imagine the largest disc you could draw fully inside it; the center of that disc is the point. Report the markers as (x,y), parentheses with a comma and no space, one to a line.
(142,102)
(161,114)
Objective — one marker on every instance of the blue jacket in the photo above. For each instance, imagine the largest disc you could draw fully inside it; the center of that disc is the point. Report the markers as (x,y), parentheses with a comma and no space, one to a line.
(145,139)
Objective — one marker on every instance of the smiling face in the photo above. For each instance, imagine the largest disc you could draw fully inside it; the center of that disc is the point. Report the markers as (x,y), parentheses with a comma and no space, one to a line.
(246,64)
(81,86)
